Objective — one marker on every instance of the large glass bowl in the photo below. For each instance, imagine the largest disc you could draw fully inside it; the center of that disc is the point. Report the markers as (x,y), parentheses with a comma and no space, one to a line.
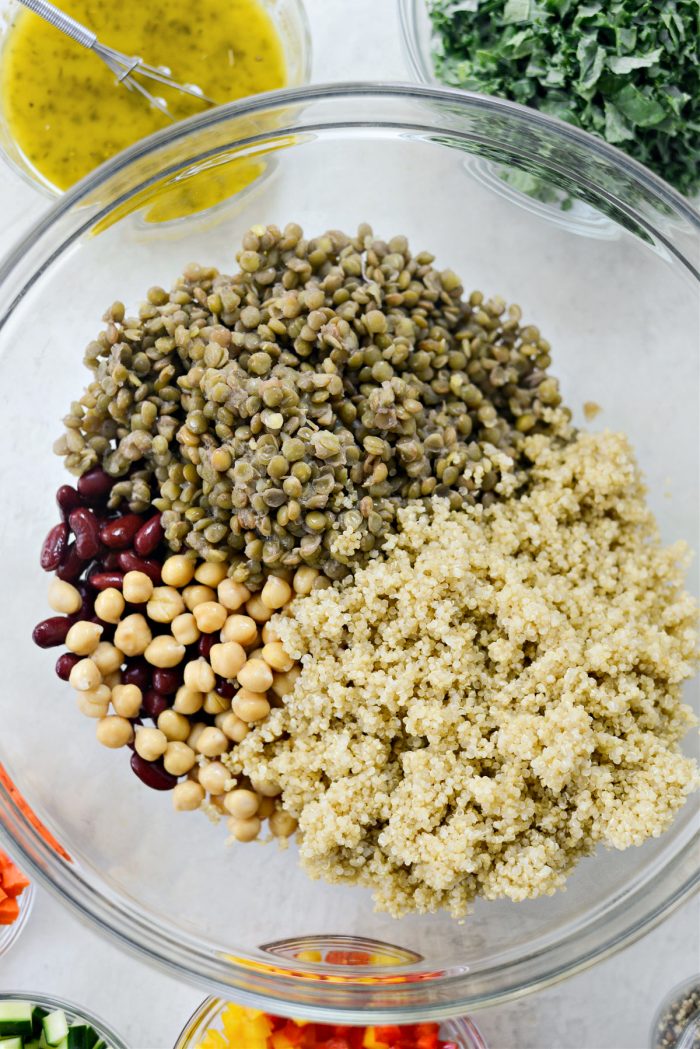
(618,299)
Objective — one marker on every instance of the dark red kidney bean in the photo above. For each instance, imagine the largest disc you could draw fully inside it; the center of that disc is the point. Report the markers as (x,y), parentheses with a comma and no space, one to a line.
(65,663)
(95,485)
(149,536)
(152,773)
(167,681)
(71,566)
(120,532)
(51,632)
(225,688)
(87,532)
(88,606)
(130,562)
(110,561)
(154,704)
(138,672)
(67,499)
(102,580)
(54,547)
(135,722)
(204,645)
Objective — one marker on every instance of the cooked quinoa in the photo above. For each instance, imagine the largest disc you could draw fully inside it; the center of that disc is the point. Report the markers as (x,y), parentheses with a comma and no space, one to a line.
(495,695)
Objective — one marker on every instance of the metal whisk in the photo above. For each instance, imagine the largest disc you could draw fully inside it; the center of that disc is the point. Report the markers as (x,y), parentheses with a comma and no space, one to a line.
(126,68)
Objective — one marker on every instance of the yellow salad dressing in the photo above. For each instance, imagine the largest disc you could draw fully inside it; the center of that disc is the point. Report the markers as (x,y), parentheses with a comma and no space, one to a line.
(66,112)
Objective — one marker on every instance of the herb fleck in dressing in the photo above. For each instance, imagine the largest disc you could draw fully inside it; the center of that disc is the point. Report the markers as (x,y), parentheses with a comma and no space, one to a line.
(65,109)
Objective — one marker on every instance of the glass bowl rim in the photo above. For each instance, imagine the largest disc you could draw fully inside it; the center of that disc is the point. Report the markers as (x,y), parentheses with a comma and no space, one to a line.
(211,1008)
(55,1001)
(272,987)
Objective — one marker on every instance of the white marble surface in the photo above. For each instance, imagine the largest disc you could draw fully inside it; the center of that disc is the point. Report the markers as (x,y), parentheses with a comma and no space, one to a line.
(608,1007)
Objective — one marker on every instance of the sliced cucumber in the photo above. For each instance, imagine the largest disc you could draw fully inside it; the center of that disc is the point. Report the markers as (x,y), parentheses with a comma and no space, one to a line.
(38,1015)
(15,1042)
(15,1018)
(81,1036)
(55,1027)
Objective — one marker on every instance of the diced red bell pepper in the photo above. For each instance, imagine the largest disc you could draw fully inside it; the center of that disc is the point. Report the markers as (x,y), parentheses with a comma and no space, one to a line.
(13,881)
(9,911)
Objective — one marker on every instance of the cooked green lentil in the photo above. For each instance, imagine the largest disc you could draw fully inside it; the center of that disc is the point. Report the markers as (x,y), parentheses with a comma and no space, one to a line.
(282,415)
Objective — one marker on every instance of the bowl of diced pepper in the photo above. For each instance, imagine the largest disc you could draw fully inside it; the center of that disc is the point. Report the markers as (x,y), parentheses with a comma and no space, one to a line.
(226,1025)
(16,898)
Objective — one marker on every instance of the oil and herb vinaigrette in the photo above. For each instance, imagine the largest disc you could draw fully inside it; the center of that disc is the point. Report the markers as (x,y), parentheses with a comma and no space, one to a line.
(67,113)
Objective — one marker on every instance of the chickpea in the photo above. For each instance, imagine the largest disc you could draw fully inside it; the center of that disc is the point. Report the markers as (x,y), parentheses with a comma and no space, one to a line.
(244,830)
(197,730)
(127,700)
(283,684)
(133,635)
(178,758)
(250,706)
(150,743)
(266,807)
(164,651)
(90,707)
(83,637)
(227,659)
(214,776)
(217,800)
(267,787)
(114,732)
(85,676)
(216,704)
(210,574)
(241,803)
(109,604)
(258,610)
(232,595)
(256,676)
(282,825)
(165,604)
(137,587)
(269,634)
(241,629)
(212,742)
(177,570)
(210,616)
(188,700)
(113,679)
(176,727)
(100,694)
(304,579)
(185,629)
(107,657)
(197,595)
(276,593)
(187,796)
(275,656)
(63,597)
(199,675)
(233,726)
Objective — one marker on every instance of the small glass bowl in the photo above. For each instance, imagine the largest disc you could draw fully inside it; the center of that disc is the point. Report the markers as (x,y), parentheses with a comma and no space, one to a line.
(290,21)
(10,933)
(685,1032)
(72,1011)
(462,1030)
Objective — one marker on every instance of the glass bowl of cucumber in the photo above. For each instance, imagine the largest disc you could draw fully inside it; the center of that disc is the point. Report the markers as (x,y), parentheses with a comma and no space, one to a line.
(40,1021)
